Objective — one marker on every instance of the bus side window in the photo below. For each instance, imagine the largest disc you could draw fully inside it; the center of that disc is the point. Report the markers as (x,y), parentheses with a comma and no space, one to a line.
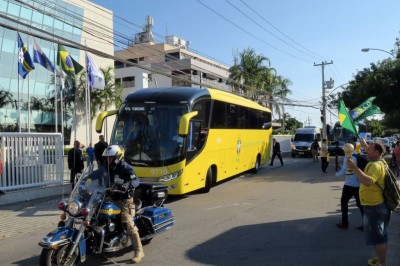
(194,135)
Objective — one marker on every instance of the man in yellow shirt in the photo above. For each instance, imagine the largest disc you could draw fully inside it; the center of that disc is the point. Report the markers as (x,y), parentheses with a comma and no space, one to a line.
(376,213)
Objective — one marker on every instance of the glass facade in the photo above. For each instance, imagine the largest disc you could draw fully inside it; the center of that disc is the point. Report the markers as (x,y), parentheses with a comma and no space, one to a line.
(55,17)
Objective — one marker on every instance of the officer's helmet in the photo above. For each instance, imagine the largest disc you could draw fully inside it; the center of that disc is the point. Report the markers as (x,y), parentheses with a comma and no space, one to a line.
(115,151)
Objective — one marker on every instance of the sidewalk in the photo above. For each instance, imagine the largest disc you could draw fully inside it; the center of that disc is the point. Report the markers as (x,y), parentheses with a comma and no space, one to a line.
(26,217)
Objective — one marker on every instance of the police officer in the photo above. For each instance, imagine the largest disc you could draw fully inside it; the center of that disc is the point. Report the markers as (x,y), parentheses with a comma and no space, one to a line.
(118,168)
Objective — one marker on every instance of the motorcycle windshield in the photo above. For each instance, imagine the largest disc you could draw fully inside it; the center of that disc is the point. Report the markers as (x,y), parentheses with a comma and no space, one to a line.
(89,191)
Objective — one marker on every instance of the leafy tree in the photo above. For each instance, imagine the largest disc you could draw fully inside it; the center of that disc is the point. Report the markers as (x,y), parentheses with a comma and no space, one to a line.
(291,125)
(375,127)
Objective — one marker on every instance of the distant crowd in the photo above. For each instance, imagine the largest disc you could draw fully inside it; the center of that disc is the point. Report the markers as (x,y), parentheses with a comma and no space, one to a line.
(76,158)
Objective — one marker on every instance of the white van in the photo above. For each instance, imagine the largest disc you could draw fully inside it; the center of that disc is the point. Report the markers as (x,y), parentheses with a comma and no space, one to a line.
(304,137)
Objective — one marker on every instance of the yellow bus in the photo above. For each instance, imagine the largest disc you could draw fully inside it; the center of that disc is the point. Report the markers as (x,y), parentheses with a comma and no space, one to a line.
(190,138)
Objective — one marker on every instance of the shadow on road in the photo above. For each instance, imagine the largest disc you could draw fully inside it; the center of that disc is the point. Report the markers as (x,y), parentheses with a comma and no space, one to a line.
(313,241)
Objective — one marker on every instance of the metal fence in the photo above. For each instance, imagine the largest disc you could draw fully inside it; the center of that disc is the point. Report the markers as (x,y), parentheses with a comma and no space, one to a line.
(30,160)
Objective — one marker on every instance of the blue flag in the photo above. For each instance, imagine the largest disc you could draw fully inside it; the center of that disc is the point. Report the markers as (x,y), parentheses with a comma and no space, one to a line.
(40,58)
(25,64)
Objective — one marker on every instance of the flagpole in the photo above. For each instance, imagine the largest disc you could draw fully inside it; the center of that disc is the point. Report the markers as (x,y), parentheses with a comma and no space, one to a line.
(55,91)
(19,110)
(86,98)
(29,94)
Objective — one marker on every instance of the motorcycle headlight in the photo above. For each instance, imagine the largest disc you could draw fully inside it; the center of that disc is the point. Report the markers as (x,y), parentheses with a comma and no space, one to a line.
(74,207)
(170,177)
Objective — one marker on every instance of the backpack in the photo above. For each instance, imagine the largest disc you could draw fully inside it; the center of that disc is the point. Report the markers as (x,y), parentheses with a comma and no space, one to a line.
(361,161)
(391,190)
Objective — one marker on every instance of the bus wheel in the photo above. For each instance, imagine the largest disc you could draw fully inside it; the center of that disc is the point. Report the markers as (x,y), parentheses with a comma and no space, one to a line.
(208,183)
(256,166)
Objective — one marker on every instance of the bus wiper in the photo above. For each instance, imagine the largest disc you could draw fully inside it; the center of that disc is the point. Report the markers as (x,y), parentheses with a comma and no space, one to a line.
(138,163)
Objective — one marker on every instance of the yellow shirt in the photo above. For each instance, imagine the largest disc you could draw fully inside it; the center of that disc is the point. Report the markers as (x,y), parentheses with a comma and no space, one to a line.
(373,195)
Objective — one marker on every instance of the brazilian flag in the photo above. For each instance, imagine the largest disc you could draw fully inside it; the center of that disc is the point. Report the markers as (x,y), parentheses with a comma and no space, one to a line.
(345,119)
(67,63)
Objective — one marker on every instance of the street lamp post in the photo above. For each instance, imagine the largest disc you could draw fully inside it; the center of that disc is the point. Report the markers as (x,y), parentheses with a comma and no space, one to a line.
(368,49)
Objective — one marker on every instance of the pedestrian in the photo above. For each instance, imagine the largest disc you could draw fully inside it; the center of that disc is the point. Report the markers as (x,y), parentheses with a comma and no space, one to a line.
(99,148)
(324,156)
(90,154)
(350,189)
(315,150)
(376,213)
(276,151)
(117,167)
(75,162)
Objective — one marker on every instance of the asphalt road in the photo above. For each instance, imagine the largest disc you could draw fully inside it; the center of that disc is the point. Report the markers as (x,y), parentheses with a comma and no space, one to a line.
(281,216)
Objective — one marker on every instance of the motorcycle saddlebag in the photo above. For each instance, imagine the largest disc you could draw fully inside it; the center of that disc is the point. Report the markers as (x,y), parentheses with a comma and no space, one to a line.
(161,217)
(151,192)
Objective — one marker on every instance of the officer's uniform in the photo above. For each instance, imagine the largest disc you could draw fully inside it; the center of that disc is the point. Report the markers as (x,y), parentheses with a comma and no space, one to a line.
(124,171)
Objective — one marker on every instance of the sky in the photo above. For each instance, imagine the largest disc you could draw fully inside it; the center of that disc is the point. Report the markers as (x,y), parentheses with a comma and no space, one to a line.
(294,35)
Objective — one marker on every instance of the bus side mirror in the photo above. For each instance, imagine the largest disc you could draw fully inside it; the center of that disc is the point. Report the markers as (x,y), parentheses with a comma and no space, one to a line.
(184,123)
(100,119)
(267,125)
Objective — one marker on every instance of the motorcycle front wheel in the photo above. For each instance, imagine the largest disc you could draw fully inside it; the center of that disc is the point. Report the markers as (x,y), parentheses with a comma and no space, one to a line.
(50,257)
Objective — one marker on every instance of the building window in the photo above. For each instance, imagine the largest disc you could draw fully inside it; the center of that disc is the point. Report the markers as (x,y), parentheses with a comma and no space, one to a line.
(133,60)
(172,56)
(118,64)
(128,82)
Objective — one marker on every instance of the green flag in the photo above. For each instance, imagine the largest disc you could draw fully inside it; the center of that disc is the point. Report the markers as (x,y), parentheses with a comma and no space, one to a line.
(359,110)
(345,119)
(374,109)
(67,63)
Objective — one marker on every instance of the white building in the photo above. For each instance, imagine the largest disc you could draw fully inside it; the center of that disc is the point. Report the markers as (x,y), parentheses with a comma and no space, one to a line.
(153,64)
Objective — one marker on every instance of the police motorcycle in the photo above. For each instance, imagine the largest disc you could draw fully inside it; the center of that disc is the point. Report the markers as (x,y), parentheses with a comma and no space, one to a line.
(91,222)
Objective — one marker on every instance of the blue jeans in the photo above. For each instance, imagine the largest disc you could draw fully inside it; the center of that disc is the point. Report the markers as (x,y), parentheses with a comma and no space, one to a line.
(376,221)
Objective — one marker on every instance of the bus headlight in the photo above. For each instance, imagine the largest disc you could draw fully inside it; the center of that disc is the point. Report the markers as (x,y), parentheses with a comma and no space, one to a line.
(170,176)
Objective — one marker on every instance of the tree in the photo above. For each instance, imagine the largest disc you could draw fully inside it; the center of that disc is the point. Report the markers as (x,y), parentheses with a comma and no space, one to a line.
(375,127)
(101,100)
(291,125)
(381,79)
(254,76)
(6,98)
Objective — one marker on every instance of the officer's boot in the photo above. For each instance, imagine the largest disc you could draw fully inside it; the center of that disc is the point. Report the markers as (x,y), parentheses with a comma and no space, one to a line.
(137,247)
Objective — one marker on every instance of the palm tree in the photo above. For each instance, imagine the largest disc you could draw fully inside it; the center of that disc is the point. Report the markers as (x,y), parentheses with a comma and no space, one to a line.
(260,82)
(6,97)
(251,75)
(101,100)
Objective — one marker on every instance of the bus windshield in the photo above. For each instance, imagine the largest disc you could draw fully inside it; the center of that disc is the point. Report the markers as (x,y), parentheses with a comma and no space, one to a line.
(149,133)
(304,137)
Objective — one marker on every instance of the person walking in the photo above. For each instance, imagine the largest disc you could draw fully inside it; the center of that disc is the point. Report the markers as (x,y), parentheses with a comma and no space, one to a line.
(376,213)
(324,156)
(117,167)
(315,150)
(350,189)
(99,148)
(75,162)
(276,151)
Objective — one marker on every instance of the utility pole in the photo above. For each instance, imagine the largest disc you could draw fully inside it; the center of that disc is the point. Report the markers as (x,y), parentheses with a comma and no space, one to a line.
(323,111)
